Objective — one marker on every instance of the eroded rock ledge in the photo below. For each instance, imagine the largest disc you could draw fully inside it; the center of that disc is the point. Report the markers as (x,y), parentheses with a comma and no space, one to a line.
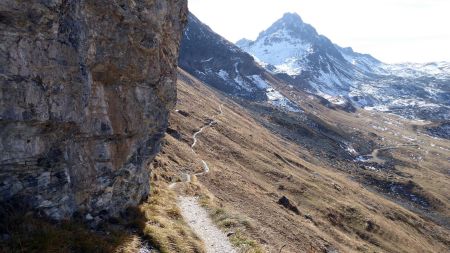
(85,91)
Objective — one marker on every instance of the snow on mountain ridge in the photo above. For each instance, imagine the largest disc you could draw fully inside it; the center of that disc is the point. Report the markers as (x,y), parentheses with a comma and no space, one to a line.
(274,97)
(437,69)
(314,63)
(281,51)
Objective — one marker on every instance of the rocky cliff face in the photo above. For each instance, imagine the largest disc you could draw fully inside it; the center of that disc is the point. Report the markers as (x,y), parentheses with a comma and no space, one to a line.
(85,91)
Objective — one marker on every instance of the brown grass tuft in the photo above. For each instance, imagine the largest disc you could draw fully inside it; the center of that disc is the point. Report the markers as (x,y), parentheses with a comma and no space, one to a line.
(165,227)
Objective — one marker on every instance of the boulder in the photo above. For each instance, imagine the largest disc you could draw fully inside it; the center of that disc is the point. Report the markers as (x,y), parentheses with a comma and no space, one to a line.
(284,201)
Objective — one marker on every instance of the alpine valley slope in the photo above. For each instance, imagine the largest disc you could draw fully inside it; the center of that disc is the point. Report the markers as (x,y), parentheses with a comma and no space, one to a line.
(362,181)
(294,51)
(251,168)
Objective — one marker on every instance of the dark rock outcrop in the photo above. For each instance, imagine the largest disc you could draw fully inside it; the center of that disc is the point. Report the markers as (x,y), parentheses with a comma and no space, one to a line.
(85,91)
(284,201)
(440,130)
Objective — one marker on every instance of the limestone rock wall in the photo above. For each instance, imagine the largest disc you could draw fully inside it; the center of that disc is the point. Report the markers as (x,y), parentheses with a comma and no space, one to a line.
(85,91)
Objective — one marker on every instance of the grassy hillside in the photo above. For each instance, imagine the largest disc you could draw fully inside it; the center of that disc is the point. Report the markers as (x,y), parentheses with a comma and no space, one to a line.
(253,167)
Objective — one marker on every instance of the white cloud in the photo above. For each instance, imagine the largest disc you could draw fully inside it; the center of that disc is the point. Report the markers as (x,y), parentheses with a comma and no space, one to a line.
(391,30)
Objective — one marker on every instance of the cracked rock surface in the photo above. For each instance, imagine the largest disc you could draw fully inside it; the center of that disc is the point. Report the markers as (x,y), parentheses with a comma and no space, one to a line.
(85,91)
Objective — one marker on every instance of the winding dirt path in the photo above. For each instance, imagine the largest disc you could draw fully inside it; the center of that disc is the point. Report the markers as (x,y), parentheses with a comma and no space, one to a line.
(374,156)
(194,138)
(195,215)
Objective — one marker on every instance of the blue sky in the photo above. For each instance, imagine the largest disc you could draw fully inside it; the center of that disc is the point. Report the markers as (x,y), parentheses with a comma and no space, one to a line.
(391,30)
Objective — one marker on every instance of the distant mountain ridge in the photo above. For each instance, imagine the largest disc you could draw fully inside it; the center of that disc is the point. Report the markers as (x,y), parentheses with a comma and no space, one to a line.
(295,52)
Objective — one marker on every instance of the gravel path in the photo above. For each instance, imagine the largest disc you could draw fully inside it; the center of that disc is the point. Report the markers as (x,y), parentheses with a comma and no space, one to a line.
(197,218)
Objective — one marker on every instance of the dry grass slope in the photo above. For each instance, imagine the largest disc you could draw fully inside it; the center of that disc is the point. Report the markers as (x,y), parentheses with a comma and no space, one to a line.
(252,168)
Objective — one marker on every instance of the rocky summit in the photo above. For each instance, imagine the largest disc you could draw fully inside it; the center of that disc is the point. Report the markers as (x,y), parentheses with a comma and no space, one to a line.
(85,92)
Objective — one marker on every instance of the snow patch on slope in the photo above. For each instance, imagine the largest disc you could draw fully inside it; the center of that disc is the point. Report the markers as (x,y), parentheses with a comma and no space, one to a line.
(239,80)
(224,75)
(337,100)
(274,97)
(277,99)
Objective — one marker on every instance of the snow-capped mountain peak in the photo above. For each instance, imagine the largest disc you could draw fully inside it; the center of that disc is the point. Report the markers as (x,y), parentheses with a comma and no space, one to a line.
(290,46)
(295,52)
(292,24)
(284,45)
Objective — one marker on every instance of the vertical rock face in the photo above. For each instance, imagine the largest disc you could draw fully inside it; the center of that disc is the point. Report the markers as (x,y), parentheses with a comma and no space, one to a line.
(85,90)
